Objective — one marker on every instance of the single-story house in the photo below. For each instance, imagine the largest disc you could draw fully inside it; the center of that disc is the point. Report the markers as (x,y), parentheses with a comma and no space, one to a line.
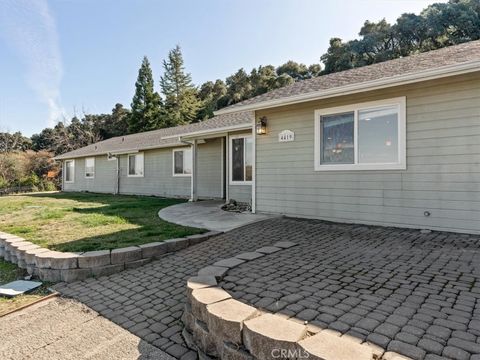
(395,143)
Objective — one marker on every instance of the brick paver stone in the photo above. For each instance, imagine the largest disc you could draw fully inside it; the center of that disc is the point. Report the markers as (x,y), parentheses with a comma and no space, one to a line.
(229,263)
(344,272)
(250,255)
(217,271)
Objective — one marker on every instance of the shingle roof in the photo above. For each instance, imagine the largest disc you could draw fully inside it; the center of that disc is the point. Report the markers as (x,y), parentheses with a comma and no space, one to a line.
(159,138)
(418,63)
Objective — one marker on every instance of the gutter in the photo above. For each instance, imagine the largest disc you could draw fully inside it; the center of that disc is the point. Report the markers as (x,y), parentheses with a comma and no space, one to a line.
(213,131)
(179,137)
(425,75)
(119,152)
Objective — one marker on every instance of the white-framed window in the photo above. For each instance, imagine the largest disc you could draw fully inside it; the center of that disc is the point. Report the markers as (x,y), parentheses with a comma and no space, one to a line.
(182,162)
(135,165)
(241,159)
(69,171)
(365,136)
(90,168)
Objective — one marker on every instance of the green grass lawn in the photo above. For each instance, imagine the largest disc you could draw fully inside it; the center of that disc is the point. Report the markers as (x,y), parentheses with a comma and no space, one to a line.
(10,272)
(84,222)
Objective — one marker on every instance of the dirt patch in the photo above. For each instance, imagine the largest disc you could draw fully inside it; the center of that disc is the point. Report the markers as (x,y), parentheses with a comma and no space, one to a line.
(10,272)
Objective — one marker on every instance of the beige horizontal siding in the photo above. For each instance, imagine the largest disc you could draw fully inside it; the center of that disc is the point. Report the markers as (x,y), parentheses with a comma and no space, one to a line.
(158,176)
(443,163)
(103,182)
(157,180)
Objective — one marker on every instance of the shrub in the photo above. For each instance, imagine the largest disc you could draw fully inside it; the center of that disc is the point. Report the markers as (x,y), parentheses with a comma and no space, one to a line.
(48,186)
(30,180)
(3,183)
(36,171)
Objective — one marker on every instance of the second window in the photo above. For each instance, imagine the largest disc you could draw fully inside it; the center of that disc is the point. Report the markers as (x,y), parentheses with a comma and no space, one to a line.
(182,162)
(368,136)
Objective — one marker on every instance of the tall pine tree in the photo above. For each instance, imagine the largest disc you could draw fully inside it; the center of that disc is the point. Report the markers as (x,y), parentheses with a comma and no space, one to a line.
(181,101)
(146,104)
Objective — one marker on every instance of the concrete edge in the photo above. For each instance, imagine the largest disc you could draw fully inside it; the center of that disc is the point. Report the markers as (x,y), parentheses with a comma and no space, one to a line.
(161,214)
(33,303)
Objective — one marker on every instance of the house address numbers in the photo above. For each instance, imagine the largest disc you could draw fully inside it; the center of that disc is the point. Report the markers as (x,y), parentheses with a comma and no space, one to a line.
(286,136)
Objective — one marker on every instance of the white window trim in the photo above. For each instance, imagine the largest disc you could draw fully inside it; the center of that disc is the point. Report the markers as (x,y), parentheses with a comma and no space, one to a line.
(400,102)
(65,172)
(173,162)
(143,165)
(230,154)
(93,176)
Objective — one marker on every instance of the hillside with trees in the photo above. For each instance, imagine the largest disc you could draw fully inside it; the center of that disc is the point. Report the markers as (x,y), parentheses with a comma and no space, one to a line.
(179,101)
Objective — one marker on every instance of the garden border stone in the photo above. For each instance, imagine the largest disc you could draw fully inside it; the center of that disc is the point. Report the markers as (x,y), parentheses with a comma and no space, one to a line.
(218,326)
(125,255)
(92,259)
(57,266)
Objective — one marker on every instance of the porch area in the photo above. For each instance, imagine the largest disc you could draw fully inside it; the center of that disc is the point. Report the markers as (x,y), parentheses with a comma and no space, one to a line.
(209,215)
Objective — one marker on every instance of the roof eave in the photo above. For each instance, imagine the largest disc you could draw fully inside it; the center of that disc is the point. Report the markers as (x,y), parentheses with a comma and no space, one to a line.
(210,132)
(118,152)
(445,71)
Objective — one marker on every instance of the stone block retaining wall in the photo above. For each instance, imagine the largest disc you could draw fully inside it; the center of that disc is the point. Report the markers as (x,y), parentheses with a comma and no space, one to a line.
(49,265)
(220,327)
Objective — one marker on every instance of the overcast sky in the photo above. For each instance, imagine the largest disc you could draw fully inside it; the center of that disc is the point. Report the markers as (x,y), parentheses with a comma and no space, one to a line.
(59,57)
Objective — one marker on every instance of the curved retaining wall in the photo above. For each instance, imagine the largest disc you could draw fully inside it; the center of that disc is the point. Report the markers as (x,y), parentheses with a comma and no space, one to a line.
(217,326)
(56,266)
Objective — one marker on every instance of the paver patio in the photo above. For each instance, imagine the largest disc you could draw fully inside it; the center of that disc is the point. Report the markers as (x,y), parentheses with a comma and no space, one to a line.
(149,301)
(413,293)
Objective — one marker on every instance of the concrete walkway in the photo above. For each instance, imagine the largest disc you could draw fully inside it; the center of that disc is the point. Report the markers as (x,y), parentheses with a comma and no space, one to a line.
(60,329)
(208,215)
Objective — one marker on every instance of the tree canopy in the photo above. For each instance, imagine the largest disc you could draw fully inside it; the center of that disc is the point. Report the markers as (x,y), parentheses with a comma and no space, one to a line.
(437,26)
(181,99)
(146,103)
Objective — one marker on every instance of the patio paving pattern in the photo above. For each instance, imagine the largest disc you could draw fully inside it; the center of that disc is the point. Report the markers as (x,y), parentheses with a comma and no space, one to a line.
(412,293)
(149,300)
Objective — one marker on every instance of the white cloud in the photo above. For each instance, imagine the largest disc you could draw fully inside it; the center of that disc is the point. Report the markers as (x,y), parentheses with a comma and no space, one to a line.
(29,27)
